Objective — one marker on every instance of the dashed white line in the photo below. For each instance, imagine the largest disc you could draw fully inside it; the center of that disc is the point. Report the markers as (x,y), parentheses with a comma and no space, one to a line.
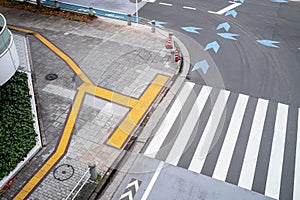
(189,8)
(165,4)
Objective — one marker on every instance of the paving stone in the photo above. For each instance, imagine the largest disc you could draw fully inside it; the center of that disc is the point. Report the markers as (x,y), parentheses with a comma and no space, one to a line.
(119,58)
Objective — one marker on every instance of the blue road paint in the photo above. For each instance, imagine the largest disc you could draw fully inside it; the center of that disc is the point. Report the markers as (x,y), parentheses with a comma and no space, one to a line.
(298,48)
(269,43)
(191,29)
(203,65)
(159,24)
(280,1)
(230,36)
(84,9)
(224,25)
(231,12)
(242,1)
(213,45)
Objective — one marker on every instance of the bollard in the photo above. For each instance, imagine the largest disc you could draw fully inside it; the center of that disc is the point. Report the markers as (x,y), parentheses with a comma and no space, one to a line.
(129,19)
(172,56)
(91,11)
(171,38)
(153,26)
(56,3)
(93,172)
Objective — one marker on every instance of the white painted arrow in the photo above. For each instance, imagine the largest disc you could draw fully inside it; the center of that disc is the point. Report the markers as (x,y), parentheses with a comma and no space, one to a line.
(224,10)
(135,183)
(127,194)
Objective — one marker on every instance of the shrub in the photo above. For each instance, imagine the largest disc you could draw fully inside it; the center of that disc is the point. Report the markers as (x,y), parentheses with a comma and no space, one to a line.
(17,134)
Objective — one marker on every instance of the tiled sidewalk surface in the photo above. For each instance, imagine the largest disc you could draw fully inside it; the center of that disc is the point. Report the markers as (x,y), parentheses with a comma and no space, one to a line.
(114,56)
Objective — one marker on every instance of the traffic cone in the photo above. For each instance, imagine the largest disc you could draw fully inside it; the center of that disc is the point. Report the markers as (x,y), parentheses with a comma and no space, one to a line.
(176,56)
(169,44)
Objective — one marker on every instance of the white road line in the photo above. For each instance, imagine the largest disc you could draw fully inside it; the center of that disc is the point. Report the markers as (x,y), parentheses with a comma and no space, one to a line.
(295,0)
(189,8)
(168,121)
(277,152)
(224,10)
(152,182)
(209,132)
(252,150)
(165,4)
(296,194)
(226,153)
(188,126)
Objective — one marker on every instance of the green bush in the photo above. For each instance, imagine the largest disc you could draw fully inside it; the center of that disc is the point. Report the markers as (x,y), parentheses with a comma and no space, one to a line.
(17,134)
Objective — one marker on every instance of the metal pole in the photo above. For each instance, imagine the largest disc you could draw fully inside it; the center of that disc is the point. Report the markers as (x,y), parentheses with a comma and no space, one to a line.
(153,26)
(93,171)
(136,11)
(129,19)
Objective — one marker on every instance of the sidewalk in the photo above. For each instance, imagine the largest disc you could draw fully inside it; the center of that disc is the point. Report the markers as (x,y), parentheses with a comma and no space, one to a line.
(117,75)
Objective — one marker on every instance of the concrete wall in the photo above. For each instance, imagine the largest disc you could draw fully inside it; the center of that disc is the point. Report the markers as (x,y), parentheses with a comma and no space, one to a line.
(9,59)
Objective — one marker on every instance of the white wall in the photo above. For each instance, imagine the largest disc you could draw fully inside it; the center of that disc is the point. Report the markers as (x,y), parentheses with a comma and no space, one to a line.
(9,63)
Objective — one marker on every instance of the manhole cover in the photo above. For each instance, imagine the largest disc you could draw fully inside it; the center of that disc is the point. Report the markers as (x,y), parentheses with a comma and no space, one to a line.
(63,172)
(51,77)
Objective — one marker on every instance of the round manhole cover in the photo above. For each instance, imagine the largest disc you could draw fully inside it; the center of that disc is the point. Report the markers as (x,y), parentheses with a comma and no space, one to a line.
(51,77)
(63,172)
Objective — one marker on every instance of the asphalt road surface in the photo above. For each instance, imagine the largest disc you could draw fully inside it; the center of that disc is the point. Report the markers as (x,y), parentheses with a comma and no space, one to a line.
(241,64)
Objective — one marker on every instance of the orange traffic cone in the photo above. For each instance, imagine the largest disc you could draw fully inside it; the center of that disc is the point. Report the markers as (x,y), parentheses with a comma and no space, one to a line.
(176,56)
(169,44)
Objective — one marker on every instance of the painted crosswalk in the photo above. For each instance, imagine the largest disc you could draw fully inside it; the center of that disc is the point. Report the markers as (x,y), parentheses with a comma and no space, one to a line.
(246,141)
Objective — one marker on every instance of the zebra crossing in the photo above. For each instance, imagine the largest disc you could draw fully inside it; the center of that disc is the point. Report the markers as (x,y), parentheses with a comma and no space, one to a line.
(246,141)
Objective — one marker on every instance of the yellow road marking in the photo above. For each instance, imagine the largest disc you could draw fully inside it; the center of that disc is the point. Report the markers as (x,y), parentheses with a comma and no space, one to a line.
(62,146)
(58,52)
(110,95)
(20,29)
(122,133)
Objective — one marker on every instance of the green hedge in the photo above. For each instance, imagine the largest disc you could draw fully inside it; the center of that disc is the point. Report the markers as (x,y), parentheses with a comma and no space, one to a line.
(17,134)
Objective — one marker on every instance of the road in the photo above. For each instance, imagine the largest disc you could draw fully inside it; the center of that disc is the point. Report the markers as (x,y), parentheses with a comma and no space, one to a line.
(242,65)
(236,118)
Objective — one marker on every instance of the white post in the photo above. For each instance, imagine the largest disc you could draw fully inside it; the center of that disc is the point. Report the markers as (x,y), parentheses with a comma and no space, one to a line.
(136,11)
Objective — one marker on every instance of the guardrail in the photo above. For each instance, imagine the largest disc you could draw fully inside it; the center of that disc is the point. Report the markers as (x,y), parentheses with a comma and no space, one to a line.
(85,9)
(72,195)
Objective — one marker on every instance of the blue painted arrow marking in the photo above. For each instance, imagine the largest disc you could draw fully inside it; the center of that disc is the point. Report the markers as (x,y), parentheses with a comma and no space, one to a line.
(230,36)
(203,65)
(269,43)
(159,24)
(242,1)
(213,45)
(191,29)
(224,25)
(280,1)
(231,12)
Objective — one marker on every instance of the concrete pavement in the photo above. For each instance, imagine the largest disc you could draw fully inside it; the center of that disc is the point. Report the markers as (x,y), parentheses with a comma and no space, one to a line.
(107,76)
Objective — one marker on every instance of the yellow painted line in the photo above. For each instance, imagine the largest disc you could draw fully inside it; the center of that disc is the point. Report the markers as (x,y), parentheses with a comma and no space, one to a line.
(63,56)
(110,95)
(21,29)
(57,51)
(122,133)
(59,152)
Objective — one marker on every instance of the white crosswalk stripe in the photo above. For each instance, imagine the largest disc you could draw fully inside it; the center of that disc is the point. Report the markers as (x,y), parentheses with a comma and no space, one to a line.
(229,136)
(250,158)
(276,160)
(230,139)
(209,131)
(187,128)
(168,121)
